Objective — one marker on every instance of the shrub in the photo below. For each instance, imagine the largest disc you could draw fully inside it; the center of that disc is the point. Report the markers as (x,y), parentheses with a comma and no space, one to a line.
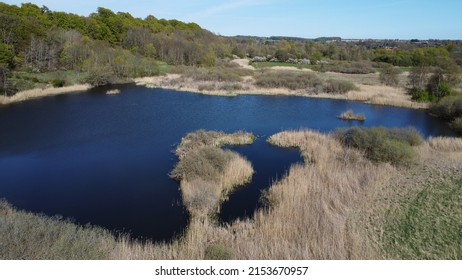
(339,86)
(57,83)
(230,86)
(218,252)
(346,67)
(448,108)
(456,124)
(207,87)
(423,96)
(288,79)
(206,163)
(215,74)
(389,75)
(381,144)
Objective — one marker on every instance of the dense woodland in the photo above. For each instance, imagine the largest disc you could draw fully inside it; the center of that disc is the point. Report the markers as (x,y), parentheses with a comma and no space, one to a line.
(105,47)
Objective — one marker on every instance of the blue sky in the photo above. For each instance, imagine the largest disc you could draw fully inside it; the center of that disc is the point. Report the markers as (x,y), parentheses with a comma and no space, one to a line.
(378,19)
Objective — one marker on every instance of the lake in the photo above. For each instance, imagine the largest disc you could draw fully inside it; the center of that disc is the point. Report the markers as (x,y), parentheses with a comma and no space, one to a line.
(105,160)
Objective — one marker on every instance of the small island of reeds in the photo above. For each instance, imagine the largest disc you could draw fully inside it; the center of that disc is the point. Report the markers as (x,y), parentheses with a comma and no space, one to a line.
(351,116)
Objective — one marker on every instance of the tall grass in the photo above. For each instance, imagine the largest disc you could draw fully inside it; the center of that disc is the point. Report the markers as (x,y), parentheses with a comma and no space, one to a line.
(30,236)
(446,144)
(310,207)
(202,138)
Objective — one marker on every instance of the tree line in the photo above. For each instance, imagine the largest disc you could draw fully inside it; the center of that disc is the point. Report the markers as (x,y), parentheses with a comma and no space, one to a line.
(110,45)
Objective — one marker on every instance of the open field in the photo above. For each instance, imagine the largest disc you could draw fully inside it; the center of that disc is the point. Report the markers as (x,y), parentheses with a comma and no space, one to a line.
(337,205)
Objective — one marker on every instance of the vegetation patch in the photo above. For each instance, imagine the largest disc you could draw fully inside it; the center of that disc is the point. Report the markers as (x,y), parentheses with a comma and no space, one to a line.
(207,173)
(446,144)
(381,144)
(289,79)
(349,115)
(339,86)
(29,236)
(218,252)
(428,226)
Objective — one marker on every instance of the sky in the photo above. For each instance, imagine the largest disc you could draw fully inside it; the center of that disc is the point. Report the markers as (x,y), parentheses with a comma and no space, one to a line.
(350,19)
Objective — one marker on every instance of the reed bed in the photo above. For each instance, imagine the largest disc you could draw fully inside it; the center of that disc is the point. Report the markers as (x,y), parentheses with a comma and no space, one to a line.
(446,144)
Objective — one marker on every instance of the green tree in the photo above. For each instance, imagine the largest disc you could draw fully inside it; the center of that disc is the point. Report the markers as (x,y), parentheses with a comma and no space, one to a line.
(6,55)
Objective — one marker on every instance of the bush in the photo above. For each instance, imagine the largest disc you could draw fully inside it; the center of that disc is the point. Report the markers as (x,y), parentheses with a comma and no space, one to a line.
(58,83)
(218,252)
(456,124)
(289,79)
(215,74)
(339,86)
(206,163)
(346,67)
(381,144)
(423,96)
(389,75)
(448,108)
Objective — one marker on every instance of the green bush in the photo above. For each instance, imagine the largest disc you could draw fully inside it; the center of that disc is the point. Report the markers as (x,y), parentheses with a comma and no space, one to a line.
(57,83)
(381,144)
(218,252)
(423,96)
(339,86)
(448,108)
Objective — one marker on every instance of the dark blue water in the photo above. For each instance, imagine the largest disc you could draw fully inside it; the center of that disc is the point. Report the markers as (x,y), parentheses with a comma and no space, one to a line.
(105,160)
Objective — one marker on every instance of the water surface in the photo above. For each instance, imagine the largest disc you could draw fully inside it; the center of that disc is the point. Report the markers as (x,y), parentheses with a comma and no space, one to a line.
(105,160)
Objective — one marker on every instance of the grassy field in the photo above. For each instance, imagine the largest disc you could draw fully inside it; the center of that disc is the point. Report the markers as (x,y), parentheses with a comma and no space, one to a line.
(428,226)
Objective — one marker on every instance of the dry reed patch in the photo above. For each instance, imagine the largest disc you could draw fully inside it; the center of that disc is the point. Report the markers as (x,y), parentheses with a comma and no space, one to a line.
(202,138)
(310,207)
(30,236)
(391,211)
(37,93)
(384,95)
(350,115)
(446,144)
(207,173)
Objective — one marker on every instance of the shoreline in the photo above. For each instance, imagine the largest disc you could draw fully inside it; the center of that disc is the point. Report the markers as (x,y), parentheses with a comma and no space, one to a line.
(42,92)
(367,94)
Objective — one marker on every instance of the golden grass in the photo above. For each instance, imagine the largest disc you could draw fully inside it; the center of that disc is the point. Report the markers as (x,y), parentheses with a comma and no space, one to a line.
(30,236)
(202,138)
(38,93)
(446,144)
(207,173)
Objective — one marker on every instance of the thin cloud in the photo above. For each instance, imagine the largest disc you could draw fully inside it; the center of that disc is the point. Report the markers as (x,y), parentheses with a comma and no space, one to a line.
(226,7)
